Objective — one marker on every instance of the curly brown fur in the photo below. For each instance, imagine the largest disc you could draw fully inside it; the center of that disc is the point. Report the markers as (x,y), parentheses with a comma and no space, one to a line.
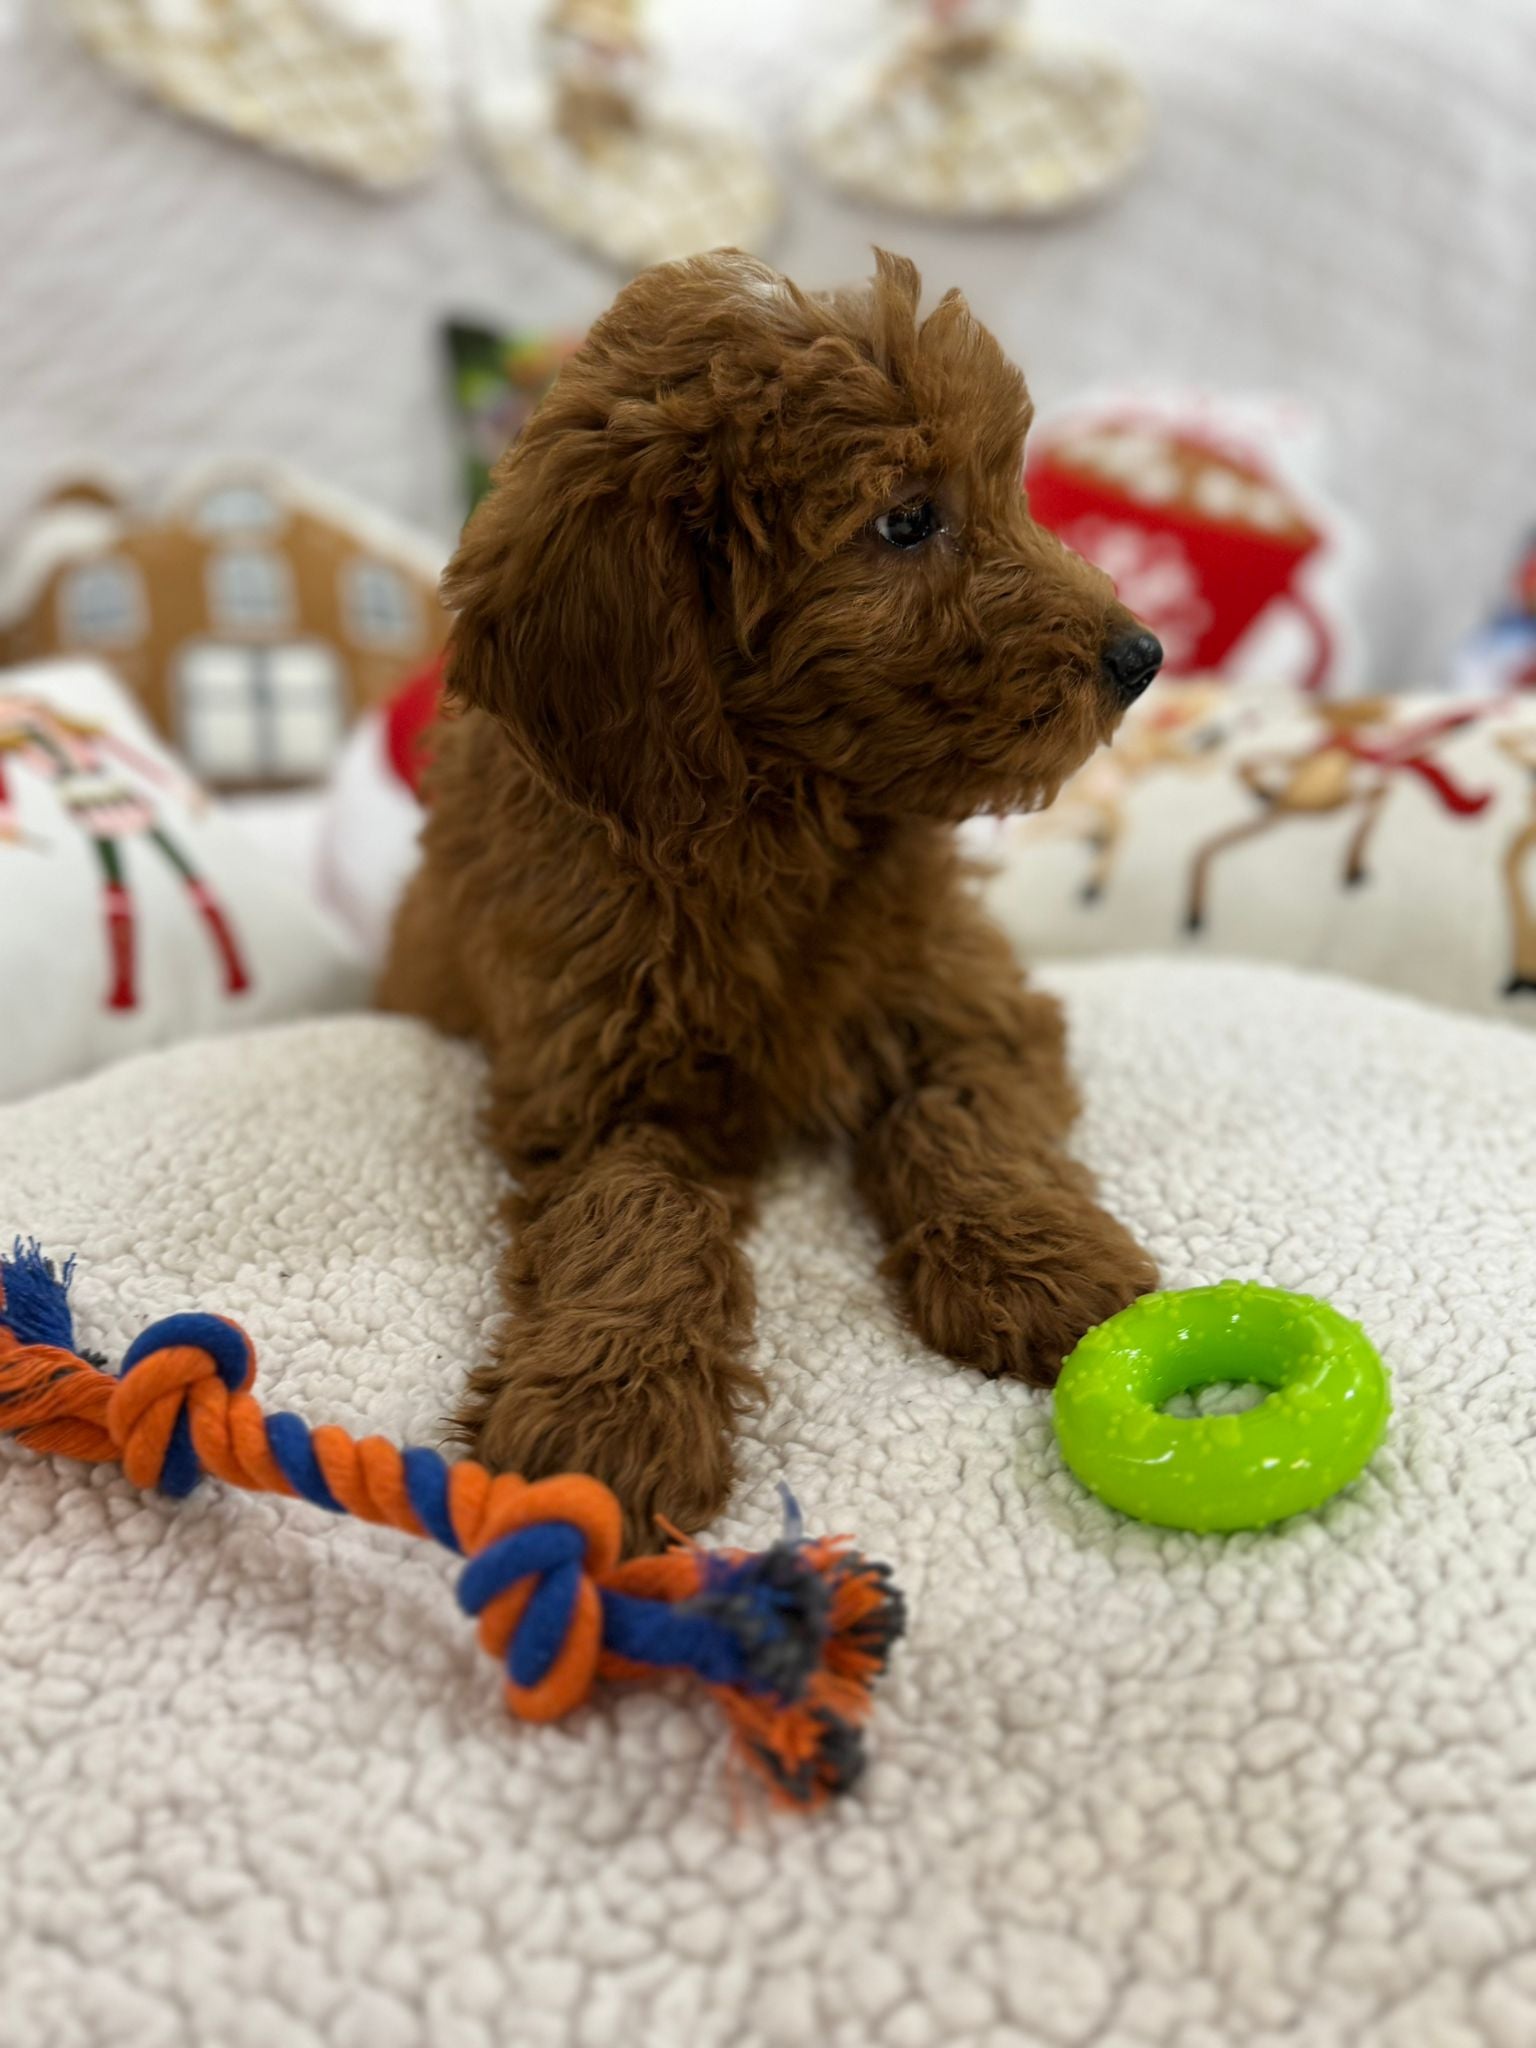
(689,871)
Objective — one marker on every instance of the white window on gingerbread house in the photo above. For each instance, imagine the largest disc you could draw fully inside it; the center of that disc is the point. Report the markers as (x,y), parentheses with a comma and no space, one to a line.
(237,508)
(379,605)
(259,714)
(250,590)
(101,604)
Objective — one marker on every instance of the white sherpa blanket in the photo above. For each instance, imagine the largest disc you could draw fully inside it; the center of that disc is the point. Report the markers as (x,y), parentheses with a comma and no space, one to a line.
(1128,1788)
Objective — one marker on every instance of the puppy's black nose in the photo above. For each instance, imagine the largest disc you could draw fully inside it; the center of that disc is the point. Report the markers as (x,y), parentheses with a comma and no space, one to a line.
(1130,662)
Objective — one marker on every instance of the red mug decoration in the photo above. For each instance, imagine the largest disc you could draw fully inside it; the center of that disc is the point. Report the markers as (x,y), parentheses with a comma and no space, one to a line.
(1199,540)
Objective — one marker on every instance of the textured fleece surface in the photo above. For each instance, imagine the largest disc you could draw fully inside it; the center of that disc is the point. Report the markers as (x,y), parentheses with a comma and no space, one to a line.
(1128,1788)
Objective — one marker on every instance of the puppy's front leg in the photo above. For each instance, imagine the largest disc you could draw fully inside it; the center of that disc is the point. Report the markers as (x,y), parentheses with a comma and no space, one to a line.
(632,1308)
(1002,1256)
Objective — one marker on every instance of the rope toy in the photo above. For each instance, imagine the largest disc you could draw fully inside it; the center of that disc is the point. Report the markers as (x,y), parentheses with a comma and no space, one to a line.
(789,1639)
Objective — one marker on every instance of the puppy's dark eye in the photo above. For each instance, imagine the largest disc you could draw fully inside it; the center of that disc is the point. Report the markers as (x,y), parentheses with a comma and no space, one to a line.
(909,525)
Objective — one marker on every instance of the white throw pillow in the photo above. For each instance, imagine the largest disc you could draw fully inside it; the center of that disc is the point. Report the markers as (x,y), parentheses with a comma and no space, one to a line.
(133,910)
(1392,839)
(368,836)
(1389,839)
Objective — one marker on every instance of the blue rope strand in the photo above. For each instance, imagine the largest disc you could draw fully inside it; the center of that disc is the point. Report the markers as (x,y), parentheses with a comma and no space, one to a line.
(288,1437)
(181,1467)
(544,1624)
(552,1555)
(426,1487)
(654,1632)
(541,1547)
(228,1347)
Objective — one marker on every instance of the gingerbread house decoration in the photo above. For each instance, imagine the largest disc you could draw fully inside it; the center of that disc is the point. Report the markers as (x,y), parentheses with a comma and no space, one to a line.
(253,616)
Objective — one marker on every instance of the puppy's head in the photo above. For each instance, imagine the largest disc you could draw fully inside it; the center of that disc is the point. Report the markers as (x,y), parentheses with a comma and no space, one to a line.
(754,540)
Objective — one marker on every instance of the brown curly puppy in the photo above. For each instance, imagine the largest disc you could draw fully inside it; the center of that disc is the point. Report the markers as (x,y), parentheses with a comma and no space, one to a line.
(754,613)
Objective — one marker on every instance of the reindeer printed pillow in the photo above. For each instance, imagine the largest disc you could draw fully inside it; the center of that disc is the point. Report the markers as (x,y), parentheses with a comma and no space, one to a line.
(132,910)
(1392,839)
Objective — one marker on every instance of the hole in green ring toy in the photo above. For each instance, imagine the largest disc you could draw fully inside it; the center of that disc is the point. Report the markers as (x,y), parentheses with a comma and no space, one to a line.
(1221,1397)
(1321,1416)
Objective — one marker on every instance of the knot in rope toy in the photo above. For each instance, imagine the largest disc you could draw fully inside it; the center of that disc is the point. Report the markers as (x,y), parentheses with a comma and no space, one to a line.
(789,1640)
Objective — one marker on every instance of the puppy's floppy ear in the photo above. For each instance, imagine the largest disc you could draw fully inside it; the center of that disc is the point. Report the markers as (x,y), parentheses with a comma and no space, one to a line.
(581,626)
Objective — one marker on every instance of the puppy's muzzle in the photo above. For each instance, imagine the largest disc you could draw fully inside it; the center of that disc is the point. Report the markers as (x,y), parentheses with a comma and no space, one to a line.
(1130,661)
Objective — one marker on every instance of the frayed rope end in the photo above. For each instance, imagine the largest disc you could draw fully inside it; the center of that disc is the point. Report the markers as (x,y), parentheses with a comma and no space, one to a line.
(815,1623)
(34,1297)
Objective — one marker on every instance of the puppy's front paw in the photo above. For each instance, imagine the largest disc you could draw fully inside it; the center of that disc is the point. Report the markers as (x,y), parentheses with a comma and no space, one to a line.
(1012,1292)
(562,1397)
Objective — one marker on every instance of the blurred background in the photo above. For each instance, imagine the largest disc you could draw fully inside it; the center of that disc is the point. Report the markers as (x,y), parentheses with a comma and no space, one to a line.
(1337,202)
(281,276)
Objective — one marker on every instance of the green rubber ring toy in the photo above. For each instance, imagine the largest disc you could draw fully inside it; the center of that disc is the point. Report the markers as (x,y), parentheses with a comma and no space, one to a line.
(1313,1434)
